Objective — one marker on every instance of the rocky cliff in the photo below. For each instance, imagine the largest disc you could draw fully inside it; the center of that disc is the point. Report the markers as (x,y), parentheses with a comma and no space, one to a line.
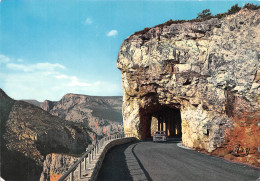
(101,114)
(55,165)
(29,133)
(208,71)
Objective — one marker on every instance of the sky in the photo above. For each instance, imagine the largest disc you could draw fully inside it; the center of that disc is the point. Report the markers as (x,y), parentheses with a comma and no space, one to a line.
(49,48)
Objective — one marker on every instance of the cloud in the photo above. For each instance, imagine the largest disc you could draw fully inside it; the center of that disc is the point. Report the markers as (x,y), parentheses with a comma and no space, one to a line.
(62,76)
(76,83)
(34,67)
(88,21)
(3,58)
(112,33)
(73,81)
(51,81)
(20,60)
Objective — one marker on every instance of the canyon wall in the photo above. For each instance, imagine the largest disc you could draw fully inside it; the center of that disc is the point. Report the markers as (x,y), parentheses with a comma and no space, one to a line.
(208,70)
(103,115)
(29,133)
(55,165)
(39,143)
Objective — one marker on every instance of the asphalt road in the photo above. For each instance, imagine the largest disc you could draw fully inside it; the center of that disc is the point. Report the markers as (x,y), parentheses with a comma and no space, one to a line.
(166,161)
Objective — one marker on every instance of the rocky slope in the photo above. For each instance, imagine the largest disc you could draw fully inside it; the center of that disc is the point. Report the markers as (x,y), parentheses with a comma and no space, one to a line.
(29,133)
(55,165)
(208,70)
(101,114)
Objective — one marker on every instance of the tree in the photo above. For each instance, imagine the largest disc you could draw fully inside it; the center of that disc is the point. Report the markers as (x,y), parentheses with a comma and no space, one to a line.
(234,9)
(251,6)
(204,15)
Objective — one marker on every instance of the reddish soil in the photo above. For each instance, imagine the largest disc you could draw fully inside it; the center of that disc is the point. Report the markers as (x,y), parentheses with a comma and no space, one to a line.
(243,140)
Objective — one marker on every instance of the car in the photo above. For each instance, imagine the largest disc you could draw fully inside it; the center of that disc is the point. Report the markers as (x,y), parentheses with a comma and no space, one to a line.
(159,136)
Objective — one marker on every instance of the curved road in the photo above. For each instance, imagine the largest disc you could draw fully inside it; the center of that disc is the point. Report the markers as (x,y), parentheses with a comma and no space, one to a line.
(166,161)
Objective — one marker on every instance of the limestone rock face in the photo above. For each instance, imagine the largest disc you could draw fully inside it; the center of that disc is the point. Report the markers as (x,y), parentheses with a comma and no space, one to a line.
(208,70)
(47,105)
(55,165)
(103,115)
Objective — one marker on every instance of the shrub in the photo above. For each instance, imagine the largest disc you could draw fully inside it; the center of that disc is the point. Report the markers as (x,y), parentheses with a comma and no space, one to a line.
(251,6)
(234,9)
(142,31)
(168,23)
(221,15)
(204,15)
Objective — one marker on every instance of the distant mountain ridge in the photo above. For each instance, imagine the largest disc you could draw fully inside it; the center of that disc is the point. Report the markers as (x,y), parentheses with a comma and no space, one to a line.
(33,102)
(103,114)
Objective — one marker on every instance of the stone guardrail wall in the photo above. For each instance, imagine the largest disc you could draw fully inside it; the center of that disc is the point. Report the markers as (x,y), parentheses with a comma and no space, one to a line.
(103,154)
(95,155)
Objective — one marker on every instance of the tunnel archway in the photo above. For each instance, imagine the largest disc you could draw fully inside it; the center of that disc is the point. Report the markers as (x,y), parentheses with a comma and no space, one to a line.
(161,118)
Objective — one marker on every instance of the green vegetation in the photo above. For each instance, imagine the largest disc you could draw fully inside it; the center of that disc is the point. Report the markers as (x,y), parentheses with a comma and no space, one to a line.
(202,16)
(234,9)
(251,6)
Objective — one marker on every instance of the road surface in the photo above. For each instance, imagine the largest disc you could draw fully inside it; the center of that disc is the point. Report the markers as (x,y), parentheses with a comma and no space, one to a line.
(166,161)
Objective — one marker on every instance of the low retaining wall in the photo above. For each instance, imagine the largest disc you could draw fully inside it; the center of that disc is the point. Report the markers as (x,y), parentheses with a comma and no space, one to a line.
(104,152)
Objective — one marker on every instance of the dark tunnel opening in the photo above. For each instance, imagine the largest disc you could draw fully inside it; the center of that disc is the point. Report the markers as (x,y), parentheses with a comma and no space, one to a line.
(163,118)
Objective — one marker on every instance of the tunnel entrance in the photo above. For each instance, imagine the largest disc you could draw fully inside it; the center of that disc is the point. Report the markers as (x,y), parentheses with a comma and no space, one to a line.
(168,120)
(162,119)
